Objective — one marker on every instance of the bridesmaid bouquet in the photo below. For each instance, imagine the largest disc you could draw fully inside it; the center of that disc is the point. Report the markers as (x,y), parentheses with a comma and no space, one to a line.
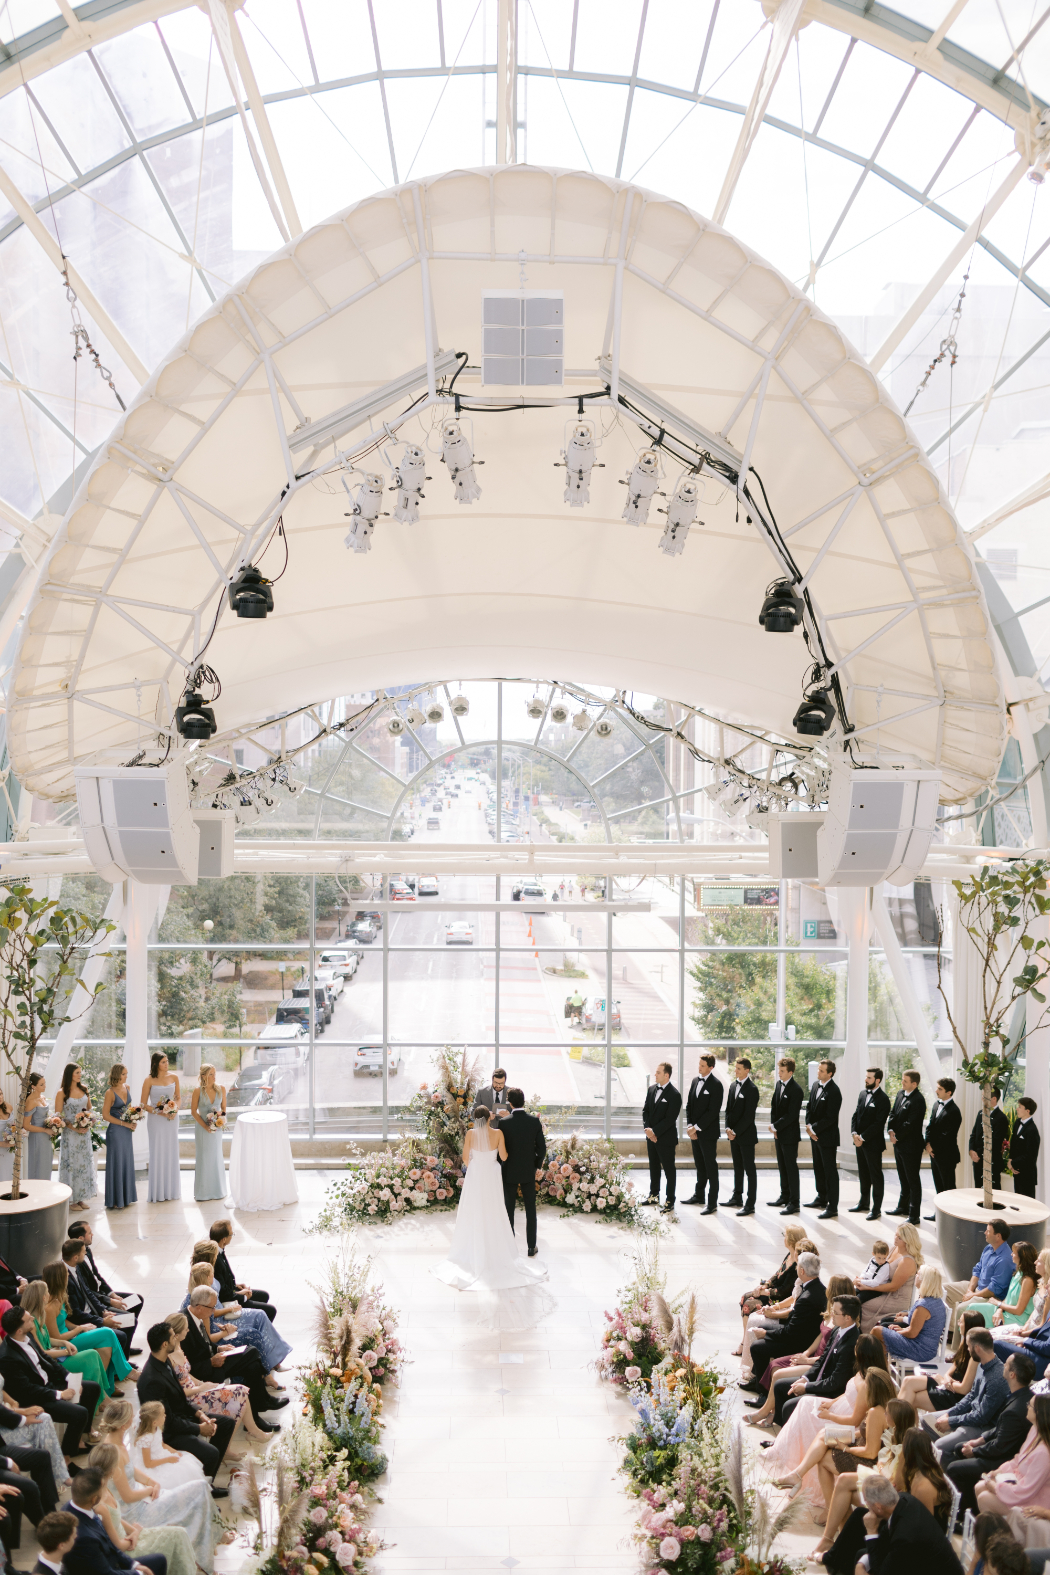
(83,1121)
(53,1127)
(167,1108)
(215,1121)
(133,1114)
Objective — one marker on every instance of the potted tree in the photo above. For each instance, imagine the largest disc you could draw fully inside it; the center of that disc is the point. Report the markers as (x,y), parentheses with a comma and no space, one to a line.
(40,943)
(998,908)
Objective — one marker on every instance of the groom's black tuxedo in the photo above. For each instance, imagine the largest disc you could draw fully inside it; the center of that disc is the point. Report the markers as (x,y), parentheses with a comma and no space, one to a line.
(526,1152)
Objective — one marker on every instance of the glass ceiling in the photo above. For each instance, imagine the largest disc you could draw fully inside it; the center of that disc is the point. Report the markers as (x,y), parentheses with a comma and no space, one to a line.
(864,175)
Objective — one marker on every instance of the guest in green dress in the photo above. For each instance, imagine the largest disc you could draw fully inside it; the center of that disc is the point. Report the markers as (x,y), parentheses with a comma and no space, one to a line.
(1016,1305)
(90,1364)
(209,1120)
(84,1338)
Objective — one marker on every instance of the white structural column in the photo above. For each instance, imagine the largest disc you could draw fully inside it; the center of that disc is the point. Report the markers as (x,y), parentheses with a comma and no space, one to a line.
(507,82)
(141,905)
(785,26)
(853,918)
(1037,1083)
(898,966)
(88,300)
(947,268)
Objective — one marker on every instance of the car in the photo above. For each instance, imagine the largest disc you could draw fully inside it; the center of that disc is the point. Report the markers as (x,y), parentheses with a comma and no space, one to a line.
(297,1010)
(433,823)
(280,1042)
(428,886)
(400,893)
(332,979)
(370,913)
(459,933)
(259,1084)
(369,1058)
(362,930)
(321,996)
(594,1016)
(341,962)
(527,891)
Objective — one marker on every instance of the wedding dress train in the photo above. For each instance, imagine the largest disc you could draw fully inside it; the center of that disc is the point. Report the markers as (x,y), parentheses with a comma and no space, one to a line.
(485,1256)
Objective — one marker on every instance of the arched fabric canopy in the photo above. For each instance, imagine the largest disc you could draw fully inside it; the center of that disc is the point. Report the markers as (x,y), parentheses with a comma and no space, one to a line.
(217,447)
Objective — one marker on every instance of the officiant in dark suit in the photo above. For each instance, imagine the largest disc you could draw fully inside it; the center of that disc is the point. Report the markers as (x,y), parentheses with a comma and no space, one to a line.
(783,1123)
(703,1107)
(741,1104)
(1024,1147)
(526,1151)
(1000,1139)
(868,1126)
(497,1097)
(659,1118)
(942,1137)
(822,1125)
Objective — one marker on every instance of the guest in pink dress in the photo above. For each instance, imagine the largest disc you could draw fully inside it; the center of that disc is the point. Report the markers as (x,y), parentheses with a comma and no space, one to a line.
(1023,1483)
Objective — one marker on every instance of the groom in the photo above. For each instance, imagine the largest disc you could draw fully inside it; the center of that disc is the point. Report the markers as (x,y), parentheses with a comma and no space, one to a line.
(526,1152)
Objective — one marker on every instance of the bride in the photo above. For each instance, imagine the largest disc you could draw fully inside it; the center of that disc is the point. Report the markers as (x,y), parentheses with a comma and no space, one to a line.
(485,1255)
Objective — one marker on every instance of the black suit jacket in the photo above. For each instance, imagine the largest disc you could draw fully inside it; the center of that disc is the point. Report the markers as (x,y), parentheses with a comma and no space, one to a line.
(803,1324)
(822,1113)
(1000,1134)
(703,1105)
(8,1283)
(942,1132)
(91,1277)
(88,1307)
(1024,1148)
(660,1110)
(906,1119)
(911,1543)
(157,1381)
(833,1372)
(93,1553)
(526,1146)
(784,1110)
(226,1278)
(1004,1440)
(741,1104)
(869,1119)
(21,1379)
(198,1351)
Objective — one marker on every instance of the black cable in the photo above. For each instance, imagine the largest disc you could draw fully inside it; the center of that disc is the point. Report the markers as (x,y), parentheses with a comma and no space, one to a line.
(278,530)
(449,387)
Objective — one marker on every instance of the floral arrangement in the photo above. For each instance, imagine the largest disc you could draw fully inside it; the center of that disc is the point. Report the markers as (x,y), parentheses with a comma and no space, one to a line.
(133,1114)
(83,1121)
(588,1176)
(444,1110)
(53,1126)
(167,1107)
(631,1345)
(387,1186)
(346,1404)
(316,1520)
(691,1524)
(372,1321)
(215,1121)
(654,1448)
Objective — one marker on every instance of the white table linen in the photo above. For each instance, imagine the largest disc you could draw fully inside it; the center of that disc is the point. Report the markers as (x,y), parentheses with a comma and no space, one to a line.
(262,1175)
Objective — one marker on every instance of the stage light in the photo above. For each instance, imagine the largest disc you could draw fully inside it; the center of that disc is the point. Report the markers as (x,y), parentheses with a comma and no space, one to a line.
(578,460)
(559,712)
(366,510)
(414,716)
(535,708)
(460,705)
(641,487)
(681,512)
(815,715)
(581,721)
(408,484)
(396,726)
(458,455)
(782,608)
(250,594)
(193,718)
(604,728)
(435,714)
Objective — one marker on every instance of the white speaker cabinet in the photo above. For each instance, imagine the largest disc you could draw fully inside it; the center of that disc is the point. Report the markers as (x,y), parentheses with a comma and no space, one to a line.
(136,822)
(879,826)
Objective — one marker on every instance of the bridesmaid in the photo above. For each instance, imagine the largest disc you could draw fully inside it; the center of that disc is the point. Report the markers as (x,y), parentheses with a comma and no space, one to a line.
(120,1156)
(209,1175)
(76,1160)
(7,1142)
(160,1086)
(39,1148)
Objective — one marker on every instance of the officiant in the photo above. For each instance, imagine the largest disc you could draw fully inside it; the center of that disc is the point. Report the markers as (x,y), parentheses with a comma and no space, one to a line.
(495,1098)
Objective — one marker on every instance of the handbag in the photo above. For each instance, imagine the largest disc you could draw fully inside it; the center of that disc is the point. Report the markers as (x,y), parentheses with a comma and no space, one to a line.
(839,1433)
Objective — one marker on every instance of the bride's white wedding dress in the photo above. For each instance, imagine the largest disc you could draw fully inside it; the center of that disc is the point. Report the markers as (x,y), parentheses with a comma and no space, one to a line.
(485,1255)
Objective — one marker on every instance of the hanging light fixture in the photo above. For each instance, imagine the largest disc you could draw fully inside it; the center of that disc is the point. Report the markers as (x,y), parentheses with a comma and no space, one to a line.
(435,713)
(559,713)
(194,719)
(815,715)
(782,608)
(414,716)
(604,728)
(535,708)
(250,593)
(396,726)
(460,705)
(581,721)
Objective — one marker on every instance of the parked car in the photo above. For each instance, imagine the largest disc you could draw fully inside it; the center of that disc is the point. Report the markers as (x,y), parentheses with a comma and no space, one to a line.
(399,892)
(594,1016)
(363,930)
(321,996)
(297,1010)
(459,933)
(369,1058)
(370,913)
(283,1043)
(259,1085)
(428,886)
(433,823)
(527,891)
(341,962)
(332,979)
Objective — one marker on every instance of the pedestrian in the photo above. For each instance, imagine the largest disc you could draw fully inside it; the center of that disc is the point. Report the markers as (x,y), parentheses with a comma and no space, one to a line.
(660,1120)
(868,1126)
(702,1115)
(904,1130)
(822,1127)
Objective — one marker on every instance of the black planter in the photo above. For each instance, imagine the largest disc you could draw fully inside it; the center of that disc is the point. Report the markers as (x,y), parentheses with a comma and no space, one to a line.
(961,1220)
(33,1229)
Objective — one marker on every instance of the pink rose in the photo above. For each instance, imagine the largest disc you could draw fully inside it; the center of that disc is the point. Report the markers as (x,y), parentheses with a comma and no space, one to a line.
(318,1516)
(686,1533)
(566,1170)
(459,1181)
(670,1549)
(414,1175)
(704,1533)
(441,1193)
(345,1555)
(632,1374)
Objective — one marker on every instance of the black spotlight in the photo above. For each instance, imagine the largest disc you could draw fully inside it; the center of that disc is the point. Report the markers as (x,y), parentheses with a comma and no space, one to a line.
(816,714)
(250,594)
(193,718)
(782,608)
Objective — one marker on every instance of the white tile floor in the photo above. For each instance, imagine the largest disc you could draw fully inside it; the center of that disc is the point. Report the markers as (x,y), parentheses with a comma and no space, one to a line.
(494,1465)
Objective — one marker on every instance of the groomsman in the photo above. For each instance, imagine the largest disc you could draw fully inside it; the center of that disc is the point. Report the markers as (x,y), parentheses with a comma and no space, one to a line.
(783,1123)
(703,1107)
(822,1127)
(1024,1147)
(904,1130)
(741,1104)
(868,1126)
(1000,1138)
(942,1137)
(659,1118)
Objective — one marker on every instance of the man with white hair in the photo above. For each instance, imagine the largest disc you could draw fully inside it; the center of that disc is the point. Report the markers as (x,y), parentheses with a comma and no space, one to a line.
(210,1363)
(902,1536)
(800,1329)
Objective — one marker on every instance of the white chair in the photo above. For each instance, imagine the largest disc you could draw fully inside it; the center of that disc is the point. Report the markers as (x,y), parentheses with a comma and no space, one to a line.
(966,1551)
(953,1513)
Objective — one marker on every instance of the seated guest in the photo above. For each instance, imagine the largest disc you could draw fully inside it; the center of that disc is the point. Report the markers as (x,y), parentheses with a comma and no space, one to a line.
(830,1458)
(844,1534)
(184,1427)
(976,1411)
(801,1328)
(93,1553)
(86,1339)
(1004,1555)
(1015,1305)
(875,1277)
(27,1433)
(922,1475)
(215,1399)
(902,1536)
(770,1319)
(206,1361)
(780,1284)
(1016,1332)
(160,1536)
(10,1283)
(1036,1345)
(1003,1439)
(929,1393)
(827,1380)
(1025,1478)
(10,1524)
(250,1324)
(992,1272)
(91,1278)
(798,1366)
(87,1307)
(915,1336)
(56,1535)
(91,1365)
(169,1468)
(895,1296)
(231,1289)
(985,1529)
(139,1493)
(32,1378)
